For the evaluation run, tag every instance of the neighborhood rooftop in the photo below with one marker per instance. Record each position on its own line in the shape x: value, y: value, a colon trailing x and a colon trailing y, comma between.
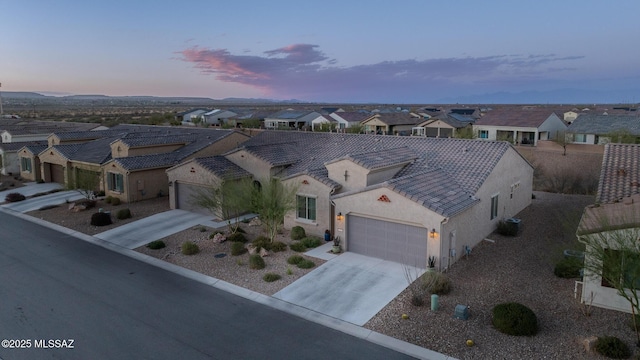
x: 620, y: 174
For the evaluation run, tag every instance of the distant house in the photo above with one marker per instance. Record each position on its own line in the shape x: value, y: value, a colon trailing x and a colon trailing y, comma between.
x: 292, y: 119
x: 392, y: 123
x: 614, y: 217
x: 23, y: 130
x: 217, y: 116
x: 188, y: 117
x: 598, y: 129
x: 443, y: 125
x: 29, y: 162
x: 520, y: 126
x: 324, y: 120
x: 347, y: 119
x: 9, y: 160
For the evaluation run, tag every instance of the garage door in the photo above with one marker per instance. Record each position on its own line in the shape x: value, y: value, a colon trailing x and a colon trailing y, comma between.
x: 185, y: 194
x: 388, y: 240
x: 57, y: 173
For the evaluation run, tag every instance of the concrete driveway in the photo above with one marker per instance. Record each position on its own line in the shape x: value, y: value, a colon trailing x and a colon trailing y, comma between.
x: 143, y: 231
x: 349, y: 287
x: 57, y: 198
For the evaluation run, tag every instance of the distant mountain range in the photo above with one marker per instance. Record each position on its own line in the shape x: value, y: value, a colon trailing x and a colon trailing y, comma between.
x: 38, y: 96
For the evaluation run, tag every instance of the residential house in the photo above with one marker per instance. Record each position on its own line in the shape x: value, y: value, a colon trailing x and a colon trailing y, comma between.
x: 347, y: 119
x: 188, y: 117
x: 598, y: 129
x: 29, y: 162
x: 613, y: 219
x: 196, y: 176
x: 324, y: 120
x: 525, y: 126
x: 443, y: 125
x: 392, y: 123
x: 9, y: 160
x: 292, y: 119
x: 403, y: 199
x: 23, y: 130
x: 218, y: 116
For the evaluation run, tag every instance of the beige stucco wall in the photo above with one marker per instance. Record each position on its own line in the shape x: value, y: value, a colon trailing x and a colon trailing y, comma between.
x: 258, y: 167
x: 35, y: 174
x: 52, y: 156
x: 189, y: 173
x: 321, y: 192
x: 356, y: 175
x: 146, y: 184
x: 399, y: 209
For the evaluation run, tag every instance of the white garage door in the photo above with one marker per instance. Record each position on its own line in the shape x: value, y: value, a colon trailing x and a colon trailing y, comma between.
x: 388, y: 240
x: 185, y: 194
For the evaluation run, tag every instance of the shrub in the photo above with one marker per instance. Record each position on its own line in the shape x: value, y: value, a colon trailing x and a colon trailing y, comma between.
x: 297, y: 233
x: 612, y: 347
x: 115, y: 201
x: 298, y: 247
x: 108, y: 199
x: 155, y: 245
x: 237, y: 249
x: 100, y: 193
x: 14, y: 197
x: 100, y: 219
x: 278, y: 246
x: 306, y: 264
x: 262, y: 242
x: 123, y: 214
x: 507, y: 229
x: 515, y: 319
x: 311, y: 242
x: 237, y: 237
x: 189, y: 248
x: 435, y: 283
x: 568, y: 268
x: 294, y: 259
x: 271, y: 277
x: 256, y: 262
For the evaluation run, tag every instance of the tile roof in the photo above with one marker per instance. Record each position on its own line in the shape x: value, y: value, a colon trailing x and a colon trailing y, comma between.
x: 290, y: 114
x: 465, y: 163
x: 222, y: 167
x: 15, y: 146
x: 620, y: 172
x: 515, y: 117
x: 397, y: 118
x: 353, y: 116
x: 612, y: 216
x: 36, y: 149
x: 604, y: 124
x: 383, y: 158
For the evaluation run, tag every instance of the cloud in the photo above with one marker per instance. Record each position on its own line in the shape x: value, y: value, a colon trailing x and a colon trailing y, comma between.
x: 302, y: 71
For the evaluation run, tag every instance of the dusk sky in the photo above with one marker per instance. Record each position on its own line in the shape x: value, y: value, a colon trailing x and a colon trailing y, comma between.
x: 327, y: 51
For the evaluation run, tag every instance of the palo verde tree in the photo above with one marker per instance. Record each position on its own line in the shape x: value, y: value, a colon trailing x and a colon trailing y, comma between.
x: 563, y: 139
x: 612, y: 253
x: 84, y: 181
x: 271, y: 201
x: 229, y: 200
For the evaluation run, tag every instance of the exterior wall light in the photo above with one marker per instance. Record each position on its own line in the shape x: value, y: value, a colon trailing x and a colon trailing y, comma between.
x: 340, y: 217
x: 433, y: 233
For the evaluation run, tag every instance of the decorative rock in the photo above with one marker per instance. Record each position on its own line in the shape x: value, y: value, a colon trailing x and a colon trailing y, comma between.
x: 264, y: 252
x: 252, y: 249
x: 255, y: 222
x: 219, y: 238
x: 589, y: 343
x: 72, y: 205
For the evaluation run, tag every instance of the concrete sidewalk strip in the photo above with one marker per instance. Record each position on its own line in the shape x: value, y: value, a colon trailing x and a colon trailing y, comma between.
x: 143, y: 231
x: 56, y: 198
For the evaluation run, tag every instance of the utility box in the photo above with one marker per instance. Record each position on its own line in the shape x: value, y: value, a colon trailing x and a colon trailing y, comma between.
x: 514, y: 225
x: 461, y: 312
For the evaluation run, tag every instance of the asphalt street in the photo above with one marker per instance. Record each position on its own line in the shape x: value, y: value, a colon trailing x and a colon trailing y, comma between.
x: 59, y: 288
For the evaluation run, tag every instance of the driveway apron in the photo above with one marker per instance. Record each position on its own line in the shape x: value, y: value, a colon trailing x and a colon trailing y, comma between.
x: 141, y: 232
x: 350, y: 287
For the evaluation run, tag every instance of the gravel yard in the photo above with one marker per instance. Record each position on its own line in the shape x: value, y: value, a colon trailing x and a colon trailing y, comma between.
x: 518, y: 269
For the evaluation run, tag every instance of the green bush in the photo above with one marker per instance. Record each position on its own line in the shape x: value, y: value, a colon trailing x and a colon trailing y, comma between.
x: 297, y: 233
x: 278, y: 246
x: 115, y: 201
x: 295, y: 259
x: 108, y: 199
x: 237, y: 237
x: 568, y: 268
x: 123, y: 214
x: 507, y: 229
x: 435, y: 283
x: 311, y: 242
x: 256, y: 262
x: 100, y: 219
x: 262, y: 242
x: 515, y: 319
x: 237, y: 249
x: 298, y: 246
x: 612, y: 347
x: 306, y: 264
x: 189, y: 248
x: 271, y: 277
x: 155, y: 245
x: 14, y: 197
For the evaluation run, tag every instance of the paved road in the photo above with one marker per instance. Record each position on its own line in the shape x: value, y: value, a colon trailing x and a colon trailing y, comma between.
x: 54, y: 286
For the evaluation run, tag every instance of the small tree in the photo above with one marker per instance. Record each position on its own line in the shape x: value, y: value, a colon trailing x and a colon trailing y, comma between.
x: 85, y: 182
x: 466, y: 132
x: 612, y: 255
x: 232, y: 199
x: 271, y: 201
x: 563, y: 139
x: 355, y: 129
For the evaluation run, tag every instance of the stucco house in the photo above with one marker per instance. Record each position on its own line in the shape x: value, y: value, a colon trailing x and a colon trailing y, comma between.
x: 597, y: 129
x: 188, y: 117
x: 24, y: 130
x: 9, y: 160
x: 217, y: 116
x: 347, y: 119
x: 394, y: 123
x: 403, y: 199
x: 292, y: 119
x: 523, y: 126
x: 613, y: 220
x: 29, y: 162
x: 442, y: 125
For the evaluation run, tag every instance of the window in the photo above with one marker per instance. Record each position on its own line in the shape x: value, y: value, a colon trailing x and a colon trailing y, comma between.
x: 115, y: 182
x: 306, y: 207
x: 483, y: 134
x: 623, y: 263
x: 494, y: 206
x: 580, y: 138
x: 25, y: 164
